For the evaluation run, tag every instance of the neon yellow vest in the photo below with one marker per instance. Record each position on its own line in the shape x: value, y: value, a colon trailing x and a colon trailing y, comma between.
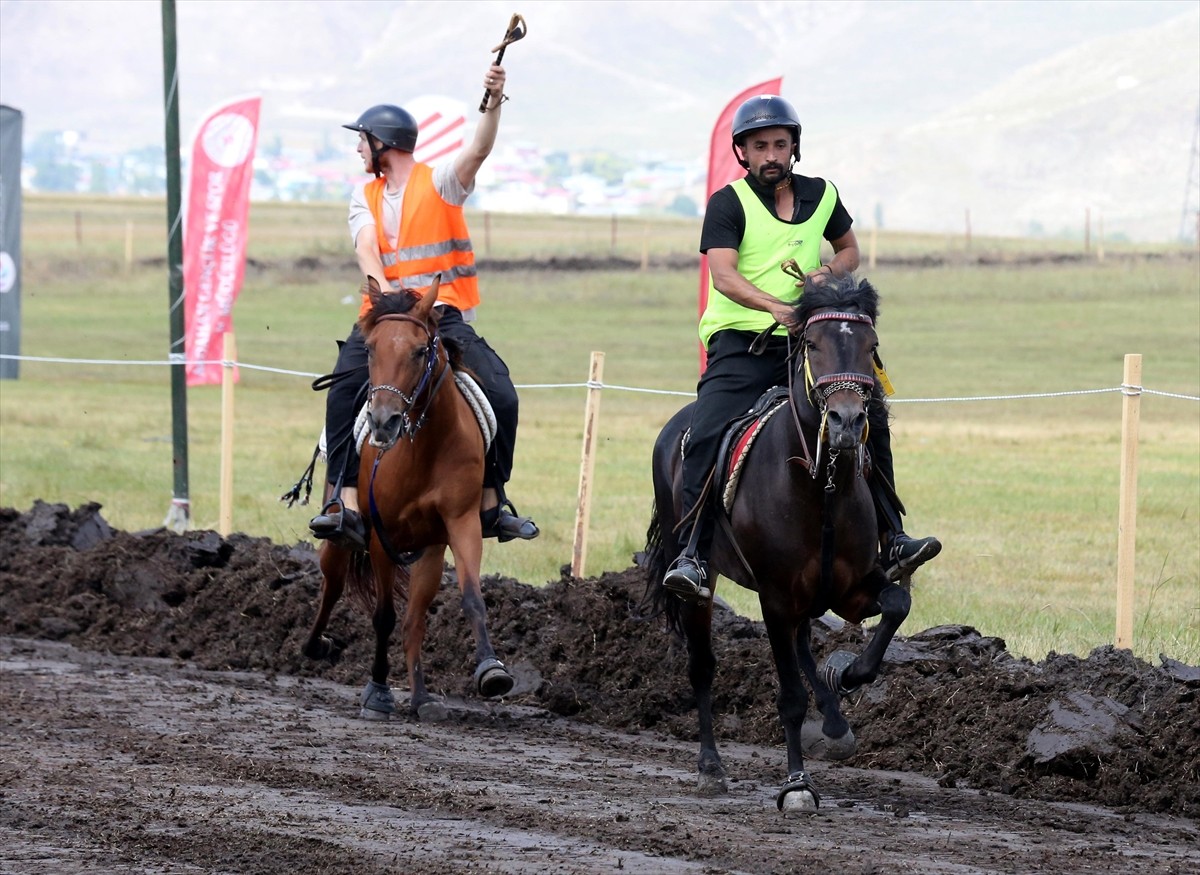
x: 766, y: 244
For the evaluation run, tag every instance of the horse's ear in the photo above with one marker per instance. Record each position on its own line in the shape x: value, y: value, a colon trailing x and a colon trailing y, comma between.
x: 371, y: 290
x: 425, y: 305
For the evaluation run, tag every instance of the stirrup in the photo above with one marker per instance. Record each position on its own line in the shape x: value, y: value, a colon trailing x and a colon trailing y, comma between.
x: 344, y: 527
x: 504, y: 524
x: 686, y: 579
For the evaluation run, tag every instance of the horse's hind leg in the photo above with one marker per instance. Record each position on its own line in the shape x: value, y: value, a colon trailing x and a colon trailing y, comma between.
x: 334, y: 563
x: 830, y: 738
x: 702, y: 664
x: 425, y: 580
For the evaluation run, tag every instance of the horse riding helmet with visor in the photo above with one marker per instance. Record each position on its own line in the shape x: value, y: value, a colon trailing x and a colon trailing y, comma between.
x: 765, y: 111
x: 392, y: 126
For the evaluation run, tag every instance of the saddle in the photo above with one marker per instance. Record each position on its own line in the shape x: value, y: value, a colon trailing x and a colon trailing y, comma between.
x: 737, y: 439
x: 736, y: 442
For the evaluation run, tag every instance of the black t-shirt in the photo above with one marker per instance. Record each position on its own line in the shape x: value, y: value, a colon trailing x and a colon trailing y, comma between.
x: 725, y: 220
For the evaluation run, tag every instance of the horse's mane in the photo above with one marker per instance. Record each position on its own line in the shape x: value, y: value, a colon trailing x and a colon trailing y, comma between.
x: 401, y: 301
x: 838, y: 293
x: 398, y: 301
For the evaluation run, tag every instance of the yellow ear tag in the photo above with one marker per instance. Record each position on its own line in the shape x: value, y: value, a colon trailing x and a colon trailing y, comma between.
x: 882, y: 375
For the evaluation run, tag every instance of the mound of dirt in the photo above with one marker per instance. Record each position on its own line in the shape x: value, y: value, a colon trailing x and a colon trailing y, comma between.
x: 950, y: 703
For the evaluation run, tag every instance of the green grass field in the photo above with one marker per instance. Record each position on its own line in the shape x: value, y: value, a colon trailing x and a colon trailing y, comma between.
x: 1023, y: 491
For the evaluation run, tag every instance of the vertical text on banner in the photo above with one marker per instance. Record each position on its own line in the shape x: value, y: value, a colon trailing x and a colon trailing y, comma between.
x: 214, y: 238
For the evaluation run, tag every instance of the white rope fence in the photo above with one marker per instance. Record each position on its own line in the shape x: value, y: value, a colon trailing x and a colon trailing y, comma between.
x: 589, y: 384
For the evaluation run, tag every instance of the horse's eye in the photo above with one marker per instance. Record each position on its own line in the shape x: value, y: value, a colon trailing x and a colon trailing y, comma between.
x: 419, y: 353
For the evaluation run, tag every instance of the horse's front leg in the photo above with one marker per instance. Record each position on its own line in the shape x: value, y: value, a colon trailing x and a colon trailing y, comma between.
x: 798, y: 792
x: 492, y: 678
x: 892, y: 606
x: 702, y: 665
x: 425, y: 580
x: 334, y: 564
x: 377, y: 700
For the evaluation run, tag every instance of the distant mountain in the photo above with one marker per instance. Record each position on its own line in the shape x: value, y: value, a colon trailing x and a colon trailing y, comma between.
x: 1108, y: 128
x: 1024, y: 113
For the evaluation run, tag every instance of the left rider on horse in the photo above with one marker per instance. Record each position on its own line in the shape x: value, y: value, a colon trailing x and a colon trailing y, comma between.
x: 408, y: 227
x: 751, y: 227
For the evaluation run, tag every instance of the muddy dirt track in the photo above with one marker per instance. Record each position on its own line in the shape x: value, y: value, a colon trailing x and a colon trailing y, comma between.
x: 157, y: 717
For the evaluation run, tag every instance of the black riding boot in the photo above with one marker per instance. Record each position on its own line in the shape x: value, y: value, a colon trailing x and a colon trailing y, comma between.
x: 900, y: 554
x: 687, y: 576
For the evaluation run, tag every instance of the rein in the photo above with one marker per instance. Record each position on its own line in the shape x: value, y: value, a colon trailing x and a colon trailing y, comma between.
x: 408, y: 428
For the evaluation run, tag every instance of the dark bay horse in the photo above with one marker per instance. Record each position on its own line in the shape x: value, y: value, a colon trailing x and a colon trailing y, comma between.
x: 420, y: 484
x: 801, y: 532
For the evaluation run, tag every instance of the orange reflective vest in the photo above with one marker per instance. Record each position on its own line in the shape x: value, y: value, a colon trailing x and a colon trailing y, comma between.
x: 433, y: 239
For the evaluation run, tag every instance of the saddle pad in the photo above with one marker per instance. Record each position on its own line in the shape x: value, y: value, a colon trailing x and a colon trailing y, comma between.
x: 484, y: 415
x: 739, y: 451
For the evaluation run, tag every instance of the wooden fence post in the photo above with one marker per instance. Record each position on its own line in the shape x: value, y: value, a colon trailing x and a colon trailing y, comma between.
x: 588, y: 464
x: 1131, y: 389
x: 128, y: 247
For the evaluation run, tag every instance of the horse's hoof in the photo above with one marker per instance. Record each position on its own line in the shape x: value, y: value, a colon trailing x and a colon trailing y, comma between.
x: 711, y: 785
x: 834, y: 668
x: 323, y: 647
x: 798, y: 795
x: 799, y: 802
x: 432, y: 711
x: 492, y: 679
x: 816, y: 744
x: 377, y: 701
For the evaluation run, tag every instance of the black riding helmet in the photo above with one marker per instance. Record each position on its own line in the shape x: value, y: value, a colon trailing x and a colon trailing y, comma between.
x: 765, y: 111
x: 390, y: 125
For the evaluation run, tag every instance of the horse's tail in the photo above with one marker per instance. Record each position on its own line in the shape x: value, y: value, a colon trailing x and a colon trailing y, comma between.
x: 656, y: 601
x: 360, y: 582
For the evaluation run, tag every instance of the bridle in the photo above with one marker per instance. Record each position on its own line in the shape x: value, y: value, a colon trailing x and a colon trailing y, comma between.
x: 818, y: 391
x: 425, y: 383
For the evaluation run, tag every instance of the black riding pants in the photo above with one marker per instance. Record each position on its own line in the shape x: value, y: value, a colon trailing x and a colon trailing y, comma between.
x: 347, y: 396
x: 729, y: 386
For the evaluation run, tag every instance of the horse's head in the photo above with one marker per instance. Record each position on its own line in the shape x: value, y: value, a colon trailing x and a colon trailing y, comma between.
x: 837, y: 348
x: 400, y: 331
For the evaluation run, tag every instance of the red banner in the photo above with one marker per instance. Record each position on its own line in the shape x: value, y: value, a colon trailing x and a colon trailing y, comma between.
x: 214, y: 238
x: 723, y: 168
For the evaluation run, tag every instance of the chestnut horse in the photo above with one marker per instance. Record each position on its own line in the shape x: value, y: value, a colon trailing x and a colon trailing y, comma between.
x: 801, y: 532
x: 420, y: 482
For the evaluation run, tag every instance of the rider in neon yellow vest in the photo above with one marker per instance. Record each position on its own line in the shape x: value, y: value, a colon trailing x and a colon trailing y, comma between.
x: 750, y: 228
